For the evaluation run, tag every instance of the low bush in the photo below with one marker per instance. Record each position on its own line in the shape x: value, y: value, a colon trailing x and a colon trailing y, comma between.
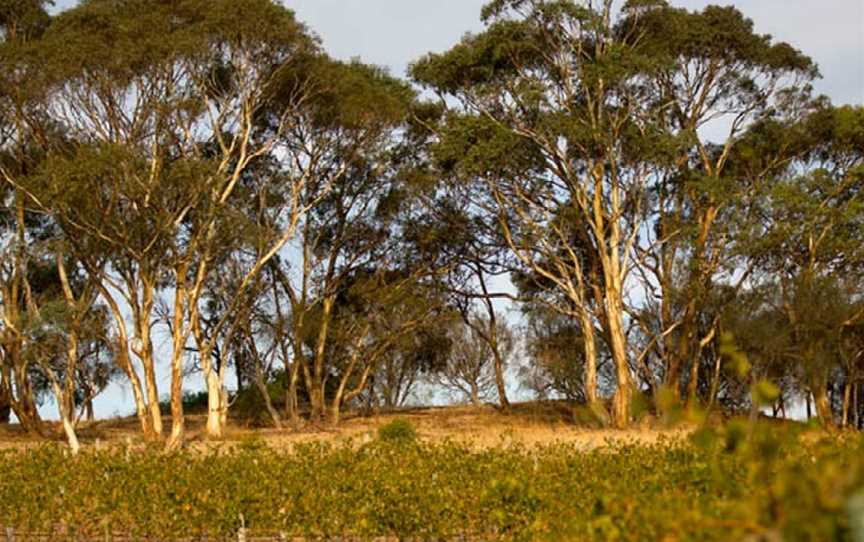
x: 194, y: 402
x: 719, y: 485
x: 399, y: 430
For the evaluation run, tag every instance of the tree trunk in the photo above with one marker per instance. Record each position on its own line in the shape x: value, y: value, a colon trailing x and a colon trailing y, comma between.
x: 178, y: 426
x: 66, y: 397
x: 144, y: 351
x: 614, y: 273
x: 144, y: 417
x: 500, y: 384
x: 153, y: 399
x: 475, y: 394
x: 693, y: 383
x: 5, y: 402
x: 342, y: 394
x: 178, y: 340
x: 24, y: 405
x: 681, y: 352
x: 590, y: 349
x: 698, y: 284
x: 71, y: 436
x: 679, y: 355
x: 215, y: 428
x: 316, y: 401
x: 715, y: 383
x: 223, y: 407
x: 822, y: 403
x: 239, y: 362
x: 336, y: 405
x: 292, y: 368
x: 623, y: 395
x: 335, y: 414
x: 66, y: 415
x: 316, y: 394
x: 28, y: 417
x: 123, y: 360
x: 265, y: 395
x: 291, y: 402
x: 847, y: 400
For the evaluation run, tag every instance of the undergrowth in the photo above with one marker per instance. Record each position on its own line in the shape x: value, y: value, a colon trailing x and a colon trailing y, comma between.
x: 733, y: 483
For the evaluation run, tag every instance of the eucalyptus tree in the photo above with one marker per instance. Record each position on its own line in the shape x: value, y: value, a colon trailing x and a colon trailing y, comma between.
x: 165, y: 104
x: 810, y: 244
x: 384, y: 316
x: 21, y: 20
x: 852, y: 358
x: 349, y: 145
x: 65, y: 336
x: 257, y: 76
x: 111, y: 91
x: 255, y: 344
x: 414, y: 358
x: 599, y: 119
x: 21, y: 149
x: 82, y: 190
x: 712, y: 78
x: 554, y: 117
x: 454, y: 233
x: 449, y: 231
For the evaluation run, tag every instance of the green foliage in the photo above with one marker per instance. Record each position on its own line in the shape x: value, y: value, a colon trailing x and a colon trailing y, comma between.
x: 399, y: 430
x: 21, y: 20
x: 480, y: 59
x: 723, y: 485
x: 764, y: 393
x: 249, y: 408
x: 194, y: 402
x: 736, y: 361
x: 123, y: 40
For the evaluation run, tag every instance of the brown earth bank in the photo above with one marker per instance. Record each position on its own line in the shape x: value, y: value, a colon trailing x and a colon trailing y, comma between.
x: 527, y: 424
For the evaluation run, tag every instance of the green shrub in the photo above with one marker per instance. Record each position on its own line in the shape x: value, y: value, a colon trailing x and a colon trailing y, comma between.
x: 399, y: 430
x: 249, y: 408
x: 194, y: 402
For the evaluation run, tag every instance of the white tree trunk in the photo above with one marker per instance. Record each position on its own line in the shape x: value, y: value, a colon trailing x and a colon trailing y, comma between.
x: 590, y: 349
x: 622, y: 399
x: 216, y: 411
x: 63, y: 403
x: 71, y: 436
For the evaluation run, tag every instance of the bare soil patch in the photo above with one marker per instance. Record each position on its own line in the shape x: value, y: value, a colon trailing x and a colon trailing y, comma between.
x: 526, y: 424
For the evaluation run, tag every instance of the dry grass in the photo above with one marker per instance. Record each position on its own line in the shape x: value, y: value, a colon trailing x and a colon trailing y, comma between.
x: 528, y: 424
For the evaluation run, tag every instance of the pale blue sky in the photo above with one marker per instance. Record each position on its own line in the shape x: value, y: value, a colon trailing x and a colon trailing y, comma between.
x: 393, y: 33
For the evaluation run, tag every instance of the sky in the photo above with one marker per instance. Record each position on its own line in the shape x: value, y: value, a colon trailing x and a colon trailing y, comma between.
x: 393, y: 33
